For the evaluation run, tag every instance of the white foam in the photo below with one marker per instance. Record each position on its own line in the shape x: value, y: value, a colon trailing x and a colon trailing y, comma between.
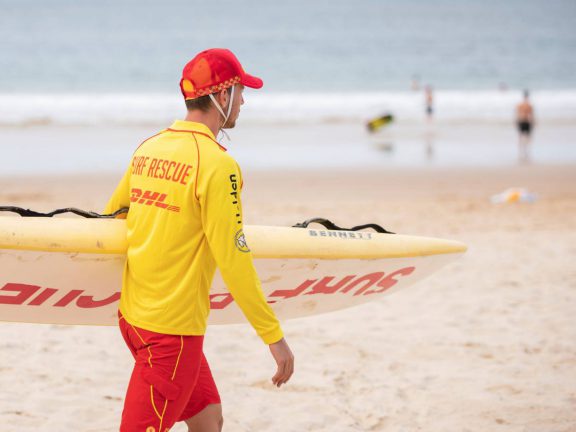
x: 159, y: 109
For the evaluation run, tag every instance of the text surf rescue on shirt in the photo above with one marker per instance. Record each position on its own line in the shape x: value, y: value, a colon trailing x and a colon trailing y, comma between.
x: 164, y: 169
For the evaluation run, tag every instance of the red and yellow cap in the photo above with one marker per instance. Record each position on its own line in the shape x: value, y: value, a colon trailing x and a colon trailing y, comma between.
x: 212, y: 71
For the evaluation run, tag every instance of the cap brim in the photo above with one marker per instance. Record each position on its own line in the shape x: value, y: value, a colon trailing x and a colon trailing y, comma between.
x: 252, y: 81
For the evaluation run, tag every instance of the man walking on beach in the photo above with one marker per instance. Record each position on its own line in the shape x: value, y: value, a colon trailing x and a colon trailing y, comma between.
x: 185, y: 218
x: 525, y: 123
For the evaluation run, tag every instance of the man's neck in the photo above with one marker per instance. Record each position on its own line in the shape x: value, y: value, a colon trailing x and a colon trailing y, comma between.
x: 211, y: 119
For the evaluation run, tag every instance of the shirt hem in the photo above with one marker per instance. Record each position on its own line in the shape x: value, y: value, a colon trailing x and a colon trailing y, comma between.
x: 164, y: 330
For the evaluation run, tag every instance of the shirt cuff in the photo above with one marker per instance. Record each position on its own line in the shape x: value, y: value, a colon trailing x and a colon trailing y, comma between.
x: 272, y: 336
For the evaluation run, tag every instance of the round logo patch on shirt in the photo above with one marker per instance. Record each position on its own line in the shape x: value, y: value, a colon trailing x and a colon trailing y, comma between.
x: 240, y: 241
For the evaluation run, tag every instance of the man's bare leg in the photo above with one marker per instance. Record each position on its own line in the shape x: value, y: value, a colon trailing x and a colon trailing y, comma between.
x: 208, y: 420
x: 524, y: 143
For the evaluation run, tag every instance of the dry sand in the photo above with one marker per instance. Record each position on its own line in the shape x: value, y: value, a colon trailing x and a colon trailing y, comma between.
x: 486, y: 344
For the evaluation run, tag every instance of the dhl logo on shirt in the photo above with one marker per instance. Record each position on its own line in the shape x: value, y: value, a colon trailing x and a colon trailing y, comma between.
x: 151, y: 198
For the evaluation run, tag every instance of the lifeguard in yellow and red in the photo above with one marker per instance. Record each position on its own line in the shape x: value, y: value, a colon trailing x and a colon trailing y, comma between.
x: 185, y: 219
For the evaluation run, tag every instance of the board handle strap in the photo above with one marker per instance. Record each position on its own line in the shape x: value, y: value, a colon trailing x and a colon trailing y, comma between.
x: 84, y: 213
x: 93, y: 215
x: 332, y: 226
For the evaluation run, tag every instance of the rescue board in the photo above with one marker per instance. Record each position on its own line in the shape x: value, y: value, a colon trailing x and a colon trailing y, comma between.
x: 69, y: 270
x: 378, y: 123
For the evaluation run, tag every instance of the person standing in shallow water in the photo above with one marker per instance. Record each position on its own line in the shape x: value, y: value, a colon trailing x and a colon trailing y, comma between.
x: 429, y: 102
x: 428, y: 132
x: 525, y: 124
x: 183, y: 189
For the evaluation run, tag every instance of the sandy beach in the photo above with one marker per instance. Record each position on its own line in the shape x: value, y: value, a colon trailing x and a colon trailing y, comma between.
x: 486, y: 344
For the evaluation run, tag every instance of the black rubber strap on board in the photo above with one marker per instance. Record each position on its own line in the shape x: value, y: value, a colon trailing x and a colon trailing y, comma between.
x: 84, y: 213
x: 332, y: 226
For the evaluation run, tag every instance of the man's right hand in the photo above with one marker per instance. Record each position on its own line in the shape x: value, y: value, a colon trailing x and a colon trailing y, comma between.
x: 285, y: 361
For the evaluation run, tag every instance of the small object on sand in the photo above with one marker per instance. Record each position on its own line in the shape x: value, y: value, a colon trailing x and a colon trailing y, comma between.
x: 379, y: 122
x: 514, y: 195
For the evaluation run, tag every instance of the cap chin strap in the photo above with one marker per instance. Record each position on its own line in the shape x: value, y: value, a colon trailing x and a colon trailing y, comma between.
x: 219, y: 108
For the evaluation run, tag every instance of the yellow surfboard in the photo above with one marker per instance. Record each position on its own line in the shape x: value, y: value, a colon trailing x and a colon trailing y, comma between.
x: 69, y: 270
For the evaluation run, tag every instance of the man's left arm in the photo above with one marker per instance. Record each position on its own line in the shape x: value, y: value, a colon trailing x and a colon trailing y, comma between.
x: 221, y: 209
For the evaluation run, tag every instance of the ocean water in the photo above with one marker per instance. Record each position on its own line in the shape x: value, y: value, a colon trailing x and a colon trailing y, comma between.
x: 81, y: 61
x: 75, y: 63
x: 299, y: 45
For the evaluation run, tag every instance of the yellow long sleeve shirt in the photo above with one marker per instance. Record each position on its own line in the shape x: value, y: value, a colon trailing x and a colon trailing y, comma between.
x: 185, y: 218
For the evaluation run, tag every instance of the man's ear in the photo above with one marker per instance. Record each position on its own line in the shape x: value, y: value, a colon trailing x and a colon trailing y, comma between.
x: 223, y: 97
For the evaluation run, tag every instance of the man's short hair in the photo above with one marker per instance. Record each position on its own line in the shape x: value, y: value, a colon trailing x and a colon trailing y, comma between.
x: 202, y: 103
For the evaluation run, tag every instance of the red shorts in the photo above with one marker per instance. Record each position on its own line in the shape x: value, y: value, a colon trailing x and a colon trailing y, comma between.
x: 171, y: 380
